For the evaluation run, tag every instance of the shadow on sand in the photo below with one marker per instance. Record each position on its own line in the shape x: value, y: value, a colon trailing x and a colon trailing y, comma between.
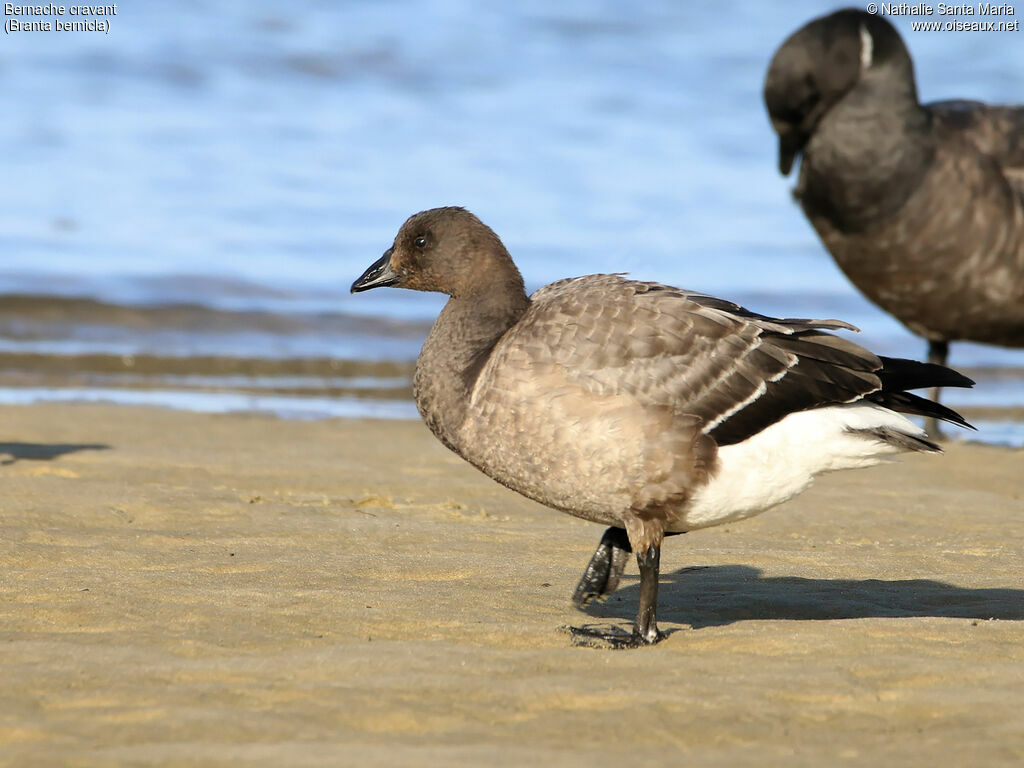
x: 719, y: 595
x: 12, y: 452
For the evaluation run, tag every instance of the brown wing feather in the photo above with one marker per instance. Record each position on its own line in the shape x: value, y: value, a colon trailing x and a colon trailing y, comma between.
x: 736, y: 370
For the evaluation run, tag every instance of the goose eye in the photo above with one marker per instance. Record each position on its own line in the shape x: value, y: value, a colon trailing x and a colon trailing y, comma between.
x: 420, y: 242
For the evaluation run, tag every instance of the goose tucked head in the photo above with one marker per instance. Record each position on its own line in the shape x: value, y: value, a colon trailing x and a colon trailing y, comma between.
x: 447, y: 250
x: 821, y: 63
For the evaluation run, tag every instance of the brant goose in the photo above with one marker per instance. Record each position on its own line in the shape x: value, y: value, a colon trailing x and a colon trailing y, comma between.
x: 641, y: 406
x: 922, y: 207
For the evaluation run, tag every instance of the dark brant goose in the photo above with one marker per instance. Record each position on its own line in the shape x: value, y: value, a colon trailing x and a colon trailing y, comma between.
x: 921, y: 206
x: 641, y: 406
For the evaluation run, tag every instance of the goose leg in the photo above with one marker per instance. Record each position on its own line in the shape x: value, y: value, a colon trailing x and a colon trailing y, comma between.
x: 603, y: 573
x: 645, y: 630
x: 938, y: 353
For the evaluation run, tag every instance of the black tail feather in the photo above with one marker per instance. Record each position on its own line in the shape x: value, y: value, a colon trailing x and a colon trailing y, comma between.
x: 898, y: 374
x: 906, y: 402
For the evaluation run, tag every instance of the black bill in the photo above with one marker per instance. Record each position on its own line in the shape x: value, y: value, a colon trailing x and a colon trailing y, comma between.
x: 378, y: 274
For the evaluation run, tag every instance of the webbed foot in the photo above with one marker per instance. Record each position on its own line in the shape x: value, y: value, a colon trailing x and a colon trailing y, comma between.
x: 605, y: 568
x: 613, y: 639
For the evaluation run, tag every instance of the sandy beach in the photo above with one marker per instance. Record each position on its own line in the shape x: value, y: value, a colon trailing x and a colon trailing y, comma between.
x: 213, y: 590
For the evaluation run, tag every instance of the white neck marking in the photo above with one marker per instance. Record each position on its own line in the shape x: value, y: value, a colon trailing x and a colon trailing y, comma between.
x: 867, y: 45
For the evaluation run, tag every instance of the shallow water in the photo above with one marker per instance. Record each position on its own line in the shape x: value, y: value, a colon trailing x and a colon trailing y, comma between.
x: 214, y: 176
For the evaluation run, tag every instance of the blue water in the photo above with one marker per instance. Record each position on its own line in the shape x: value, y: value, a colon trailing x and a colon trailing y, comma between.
x: 258, y: 156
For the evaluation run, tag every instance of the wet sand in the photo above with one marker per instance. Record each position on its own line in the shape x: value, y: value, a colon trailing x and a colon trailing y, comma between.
x: 186, y: 589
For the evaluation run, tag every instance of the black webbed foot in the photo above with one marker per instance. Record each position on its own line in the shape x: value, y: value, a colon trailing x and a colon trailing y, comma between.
x: 605, y: 568
x: 612, y: 639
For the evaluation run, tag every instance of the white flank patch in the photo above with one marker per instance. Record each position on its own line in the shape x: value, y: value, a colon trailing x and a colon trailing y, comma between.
x: 780, y: 461
x: 867, y: 47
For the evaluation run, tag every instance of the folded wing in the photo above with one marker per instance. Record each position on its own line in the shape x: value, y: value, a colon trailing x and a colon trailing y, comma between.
x: 735, y: 370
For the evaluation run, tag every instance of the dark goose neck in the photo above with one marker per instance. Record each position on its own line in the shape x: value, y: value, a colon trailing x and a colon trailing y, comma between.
x: 458, y: 347
x: 869, y: 153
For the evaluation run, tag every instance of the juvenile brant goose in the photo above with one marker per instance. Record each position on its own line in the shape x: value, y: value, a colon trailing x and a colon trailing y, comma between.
x: 638, y: 405
x: 922, y: 207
